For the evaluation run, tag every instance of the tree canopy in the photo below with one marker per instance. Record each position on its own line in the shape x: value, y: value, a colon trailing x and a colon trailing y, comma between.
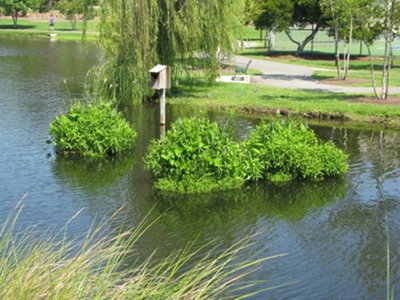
x: 273, y: 14
x: 16, y: 7
x: 281, y: 15
x: 136, y: 35
x: 70, y: 8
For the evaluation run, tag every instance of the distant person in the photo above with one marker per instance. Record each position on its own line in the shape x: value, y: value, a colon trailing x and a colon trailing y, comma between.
x: 51, y: 22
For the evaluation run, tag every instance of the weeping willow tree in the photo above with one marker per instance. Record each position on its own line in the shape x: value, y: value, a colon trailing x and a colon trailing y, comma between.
x: 135, y: 35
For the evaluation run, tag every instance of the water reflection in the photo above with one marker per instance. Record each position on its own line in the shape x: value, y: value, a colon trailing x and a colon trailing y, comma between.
x: 93, y: 173
x: 333, y: 230
x: 290, y: 201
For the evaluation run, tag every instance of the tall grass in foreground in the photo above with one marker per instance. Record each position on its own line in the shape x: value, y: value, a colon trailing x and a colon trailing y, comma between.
x: 98, y: 268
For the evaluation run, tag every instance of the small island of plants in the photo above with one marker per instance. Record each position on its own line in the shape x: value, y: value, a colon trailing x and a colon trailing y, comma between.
x: 197, y: 156
x: 96, y: 129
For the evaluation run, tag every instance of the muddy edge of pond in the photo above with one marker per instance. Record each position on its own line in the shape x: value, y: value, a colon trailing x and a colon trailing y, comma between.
x: 346, y: 120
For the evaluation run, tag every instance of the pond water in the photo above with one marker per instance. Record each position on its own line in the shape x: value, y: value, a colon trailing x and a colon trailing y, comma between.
x: 332, y: 231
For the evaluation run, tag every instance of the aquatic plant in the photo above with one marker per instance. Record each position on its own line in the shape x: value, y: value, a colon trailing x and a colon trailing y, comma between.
x: 291, y: 150
x: 94, y: 129
x: 103, y: 265
x: 197, y: 155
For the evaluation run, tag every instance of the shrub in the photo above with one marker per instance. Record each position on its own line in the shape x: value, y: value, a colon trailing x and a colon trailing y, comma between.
x: 291, y: 150
x: 197, y: 155
x: 96, y: 129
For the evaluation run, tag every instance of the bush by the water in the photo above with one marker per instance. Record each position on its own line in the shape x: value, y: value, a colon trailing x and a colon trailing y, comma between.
x: 196, y: 156
x: 95, y: 129
x: 291, y: 150
x: 199, y: 156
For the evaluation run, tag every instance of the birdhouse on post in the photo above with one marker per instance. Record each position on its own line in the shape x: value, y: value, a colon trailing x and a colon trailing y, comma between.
x: 161, y: 80
x: 160, y: 77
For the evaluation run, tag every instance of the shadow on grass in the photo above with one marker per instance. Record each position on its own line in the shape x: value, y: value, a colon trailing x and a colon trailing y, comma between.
x: 19, y: 27
x: 320, y: 96
x: 323, y: 77
x: 190, y: 88
x: 361, y: 60
x: 68, y: 29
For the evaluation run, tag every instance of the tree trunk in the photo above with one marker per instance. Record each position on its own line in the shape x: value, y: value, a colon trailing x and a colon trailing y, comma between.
x: 347, y: 60
x: 302, y: 45
x: 389, y: 69
x: 388, y: 57
x: 371, y: 67
x: 14, y: 16
x: 73, y: 22
x: 265, y: 39
x: 336, y: 31
x: 261, y: 34
x: 337, y: 52
x: 384, y: 73
x: 269, y: 41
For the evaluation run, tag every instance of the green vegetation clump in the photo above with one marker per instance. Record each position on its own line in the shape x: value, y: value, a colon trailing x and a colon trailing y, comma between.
x: 96, y: 129
x: 196, y: 156
x: 290, y: 150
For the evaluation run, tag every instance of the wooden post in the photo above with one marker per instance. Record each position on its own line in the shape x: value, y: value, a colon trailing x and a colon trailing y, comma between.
x: 162, y: 130
x: 161, y: 80
x: 162, y: 107
x: 162, y: 113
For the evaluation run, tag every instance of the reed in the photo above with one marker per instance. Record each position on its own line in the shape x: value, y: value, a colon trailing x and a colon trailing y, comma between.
x: 104, y: 266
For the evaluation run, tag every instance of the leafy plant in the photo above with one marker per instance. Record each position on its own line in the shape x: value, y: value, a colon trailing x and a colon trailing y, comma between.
x: 95, y: 129
x: 197, y: 155
x: 291, y: 150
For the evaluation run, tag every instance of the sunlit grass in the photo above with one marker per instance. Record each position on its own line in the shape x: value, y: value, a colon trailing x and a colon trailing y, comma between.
x: 63, y: 29
x: 361, y: 70
x: 322, y: 42
x: 103, y: 265
x: 260, y: 99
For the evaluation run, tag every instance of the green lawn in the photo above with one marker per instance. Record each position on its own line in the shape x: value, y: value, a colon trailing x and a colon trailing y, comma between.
x: 361, y: 70
x: 322, y: 42
x: 41, y: 28
x: 324, y: 58
x: 255, y: 99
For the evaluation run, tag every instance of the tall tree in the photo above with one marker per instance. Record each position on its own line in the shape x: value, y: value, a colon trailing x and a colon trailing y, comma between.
x: 273, y: 15
x: 381, y: 17
x: 282, y: 15
x: 137, y: 34
x: 391, y: 23
x: 306, y: 13
x: 344, y: 27
x: 16, y: 7
x: 70, y: 9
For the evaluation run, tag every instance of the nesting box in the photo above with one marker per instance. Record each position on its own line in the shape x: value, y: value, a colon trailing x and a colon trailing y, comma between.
x: 160, y: 77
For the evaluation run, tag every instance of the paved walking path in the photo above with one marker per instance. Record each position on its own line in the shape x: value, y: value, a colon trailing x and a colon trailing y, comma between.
x: 298, y: 77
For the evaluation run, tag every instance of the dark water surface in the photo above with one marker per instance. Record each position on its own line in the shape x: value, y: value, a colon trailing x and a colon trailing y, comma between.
x: 332, y: 231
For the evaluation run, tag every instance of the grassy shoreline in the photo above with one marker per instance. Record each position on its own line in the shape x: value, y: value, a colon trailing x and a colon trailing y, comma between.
x: 260, y: 100
x: 39, y: 28
x: 250, y: 99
